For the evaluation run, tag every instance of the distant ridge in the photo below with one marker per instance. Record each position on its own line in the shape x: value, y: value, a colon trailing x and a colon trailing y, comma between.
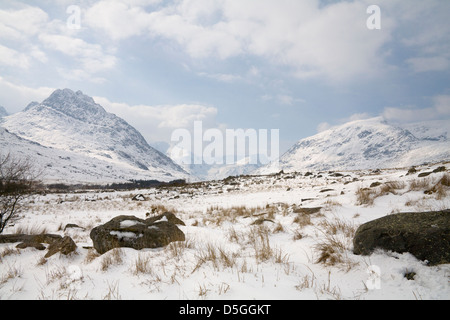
x: 368, y: 144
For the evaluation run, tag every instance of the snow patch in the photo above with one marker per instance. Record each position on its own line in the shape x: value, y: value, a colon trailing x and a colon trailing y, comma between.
x: 163, y: 219
x: 128, y: 235
x: 129, y: 223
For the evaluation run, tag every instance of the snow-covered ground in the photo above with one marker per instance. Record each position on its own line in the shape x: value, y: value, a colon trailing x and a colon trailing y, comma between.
x: 246, y: 238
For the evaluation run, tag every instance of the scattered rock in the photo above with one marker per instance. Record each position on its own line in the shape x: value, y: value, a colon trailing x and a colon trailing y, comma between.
x: 132, y: 232
x: 64, y: 245
x: 439, y: 169
x: 26, y: 238
x: 138, y: 197
x: 410, y: 275
x: 424, y: 174
x: 307, y: 211
x: 336, y: 174
x: 36, y: 245
x: 260, y: 221
x: 375, y: 184
x: 56, y: 243
x: 411, y: 170
x: 72, y: 225
x: 426, y: 235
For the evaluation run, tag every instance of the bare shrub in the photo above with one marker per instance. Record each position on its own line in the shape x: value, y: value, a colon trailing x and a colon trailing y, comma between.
x: 17, y: 180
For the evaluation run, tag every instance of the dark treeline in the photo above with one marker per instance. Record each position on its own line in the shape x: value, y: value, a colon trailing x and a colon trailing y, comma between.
x: 130, y: 185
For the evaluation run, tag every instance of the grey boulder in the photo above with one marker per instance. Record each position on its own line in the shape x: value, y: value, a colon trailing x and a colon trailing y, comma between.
x: 426, y: 235
x: 132, y: 232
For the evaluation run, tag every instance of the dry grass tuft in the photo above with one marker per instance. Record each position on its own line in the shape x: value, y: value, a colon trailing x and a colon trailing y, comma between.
x: 336, y: 241
x: 259, y: 239
x: 215, y: 255
x: 112, y: 257
x: 141, y: 265
x: 365, y: 196
x: 302, y: 220
x: 91, y: 255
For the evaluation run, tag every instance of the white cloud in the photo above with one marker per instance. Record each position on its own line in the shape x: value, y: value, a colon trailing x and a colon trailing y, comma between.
x: 119, y: 19
x: 32, y: 38
x: 426, y: 35
x: 16, y: 97
x: 439, y: 110
x: 19, y: 24
x: 12, y: 58
x: 91, y: 56
x: 156, y: 123
x: 332, y: 41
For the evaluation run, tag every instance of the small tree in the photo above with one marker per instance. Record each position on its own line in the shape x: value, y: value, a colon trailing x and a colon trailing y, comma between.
x: 17, y: 179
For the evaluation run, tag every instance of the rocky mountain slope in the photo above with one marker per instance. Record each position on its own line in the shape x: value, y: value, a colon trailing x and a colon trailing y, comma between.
x: 71, y: 125
x: 368, y: 144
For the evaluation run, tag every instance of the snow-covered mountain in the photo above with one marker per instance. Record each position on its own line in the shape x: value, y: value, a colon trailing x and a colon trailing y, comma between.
x: 73, y: 126
x: 204, y: 171
x: 368, y: 144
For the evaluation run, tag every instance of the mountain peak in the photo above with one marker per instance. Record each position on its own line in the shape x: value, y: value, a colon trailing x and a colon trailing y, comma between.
x: 61, y: 95
x: 72, y: 122
x: 74, y: 104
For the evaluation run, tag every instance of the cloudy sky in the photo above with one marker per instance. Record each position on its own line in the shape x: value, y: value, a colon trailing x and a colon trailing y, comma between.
x: 299, y: 66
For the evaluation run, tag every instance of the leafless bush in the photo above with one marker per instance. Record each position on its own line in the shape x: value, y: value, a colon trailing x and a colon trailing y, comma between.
x: 17, y: 180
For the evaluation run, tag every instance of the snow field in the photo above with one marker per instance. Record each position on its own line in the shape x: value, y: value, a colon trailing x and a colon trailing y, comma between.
x: 245, y: 239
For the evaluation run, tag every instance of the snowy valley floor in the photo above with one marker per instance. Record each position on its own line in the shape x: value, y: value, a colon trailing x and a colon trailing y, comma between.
x: 246, y: 238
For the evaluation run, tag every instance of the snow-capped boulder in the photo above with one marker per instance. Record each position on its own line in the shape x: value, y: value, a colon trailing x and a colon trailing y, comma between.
x: 132, y: 232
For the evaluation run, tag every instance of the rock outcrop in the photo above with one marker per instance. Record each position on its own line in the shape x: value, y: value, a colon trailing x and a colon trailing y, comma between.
x: 64, y: 245
x: 426, y: 235
x: 132, y: 232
